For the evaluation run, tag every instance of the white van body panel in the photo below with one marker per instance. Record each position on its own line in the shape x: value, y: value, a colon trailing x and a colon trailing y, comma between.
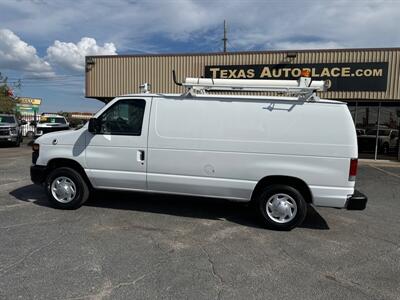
x: 112, y: 160
x: 223, y: 148
x: 219, y: 146
x: 70, y: 144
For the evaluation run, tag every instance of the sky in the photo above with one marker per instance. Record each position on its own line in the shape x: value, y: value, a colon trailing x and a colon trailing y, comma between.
x: 43, y: 43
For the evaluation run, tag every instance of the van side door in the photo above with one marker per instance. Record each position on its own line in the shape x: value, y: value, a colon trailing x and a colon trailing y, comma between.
x: 116, y: 156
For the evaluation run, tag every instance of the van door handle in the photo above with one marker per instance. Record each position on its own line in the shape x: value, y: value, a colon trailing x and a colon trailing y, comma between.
x: 140, y: 156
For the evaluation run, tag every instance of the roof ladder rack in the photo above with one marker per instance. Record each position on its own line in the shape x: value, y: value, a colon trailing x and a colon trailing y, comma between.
x: 304, y: 88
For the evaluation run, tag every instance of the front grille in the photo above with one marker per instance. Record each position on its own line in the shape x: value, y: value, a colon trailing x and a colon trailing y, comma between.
x: 4, y: 132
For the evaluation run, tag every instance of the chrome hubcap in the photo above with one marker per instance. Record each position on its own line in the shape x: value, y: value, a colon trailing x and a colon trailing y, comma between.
x: 63, y: 189
x: 281, y: 208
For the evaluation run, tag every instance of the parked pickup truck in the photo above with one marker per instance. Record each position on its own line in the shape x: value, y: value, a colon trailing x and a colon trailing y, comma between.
x: 50, y: 123
x: 10, y: 129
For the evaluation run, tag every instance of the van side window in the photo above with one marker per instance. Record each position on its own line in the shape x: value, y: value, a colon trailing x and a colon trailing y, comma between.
x: 125, y: 117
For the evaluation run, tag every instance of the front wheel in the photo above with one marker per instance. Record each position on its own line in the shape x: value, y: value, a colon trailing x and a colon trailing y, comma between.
x: 66, y: 188
x: 282, y: 207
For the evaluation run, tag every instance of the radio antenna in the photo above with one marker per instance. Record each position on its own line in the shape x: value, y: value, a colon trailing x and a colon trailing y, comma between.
x: 225, y: 39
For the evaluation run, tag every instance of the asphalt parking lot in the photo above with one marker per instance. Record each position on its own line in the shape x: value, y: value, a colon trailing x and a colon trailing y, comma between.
x: 138, y: 246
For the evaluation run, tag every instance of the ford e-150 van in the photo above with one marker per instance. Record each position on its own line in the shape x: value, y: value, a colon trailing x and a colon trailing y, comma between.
x: 280, y: 153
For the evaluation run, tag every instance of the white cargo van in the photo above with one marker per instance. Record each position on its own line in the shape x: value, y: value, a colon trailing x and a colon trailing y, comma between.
x: 280, y: 153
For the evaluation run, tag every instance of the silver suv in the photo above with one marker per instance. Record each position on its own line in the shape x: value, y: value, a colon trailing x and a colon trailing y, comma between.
x: 10, y: 129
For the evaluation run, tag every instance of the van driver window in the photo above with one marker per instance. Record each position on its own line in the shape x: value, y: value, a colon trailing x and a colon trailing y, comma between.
x: 123, y: 118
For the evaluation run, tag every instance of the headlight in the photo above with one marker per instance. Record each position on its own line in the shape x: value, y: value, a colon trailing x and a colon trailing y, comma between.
x: 13, y: 131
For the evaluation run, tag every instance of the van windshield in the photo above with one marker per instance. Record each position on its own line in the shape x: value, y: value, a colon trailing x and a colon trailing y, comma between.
x: 7, y: 119
x: 58, y: 120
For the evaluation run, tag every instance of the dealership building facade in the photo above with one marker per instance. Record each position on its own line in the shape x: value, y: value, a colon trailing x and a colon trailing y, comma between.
x: 367, y: 79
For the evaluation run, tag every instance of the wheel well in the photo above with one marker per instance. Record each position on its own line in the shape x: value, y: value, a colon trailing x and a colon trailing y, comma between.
x: 297, y: 183
x: 65, y: 162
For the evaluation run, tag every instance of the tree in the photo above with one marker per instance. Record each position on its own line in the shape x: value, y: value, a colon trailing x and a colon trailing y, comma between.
x: 7, y: 102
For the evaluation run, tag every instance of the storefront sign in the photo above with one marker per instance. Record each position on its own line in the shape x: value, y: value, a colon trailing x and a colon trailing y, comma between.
x: 27, y: 108
x: 340, y: 76
x: 28, y: 100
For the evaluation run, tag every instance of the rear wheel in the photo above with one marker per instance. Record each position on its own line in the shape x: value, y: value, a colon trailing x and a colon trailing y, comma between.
x: 66, y: 188
x: 282, y: 207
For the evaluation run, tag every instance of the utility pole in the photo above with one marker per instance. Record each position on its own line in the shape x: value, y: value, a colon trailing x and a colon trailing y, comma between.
x: 225, y: 39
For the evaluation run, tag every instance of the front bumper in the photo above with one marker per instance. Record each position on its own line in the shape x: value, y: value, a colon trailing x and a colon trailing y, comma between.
x: 8, y: 138
x: 38, y: 174
x: 357, y: 201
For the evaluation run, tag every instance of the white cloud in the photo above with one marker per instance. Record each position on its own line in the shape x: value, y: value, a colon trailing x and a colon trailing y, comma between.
x: 160, y: 25
x: 16, y: 54
x: 193, y: 25
x: 287, y: 45
x: 72, y: 56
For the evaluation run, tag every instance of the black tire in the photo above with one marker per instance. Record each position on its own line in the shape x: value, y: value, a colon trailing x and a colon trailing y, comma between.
x: 30, y: 135
x: 300, y: 207
x: 81, y: 193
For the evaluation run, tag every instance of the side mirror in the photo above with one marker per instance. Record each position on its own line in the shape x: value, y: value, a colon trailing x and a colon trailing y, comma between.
x: 94, y: 126
x: 23, y: 122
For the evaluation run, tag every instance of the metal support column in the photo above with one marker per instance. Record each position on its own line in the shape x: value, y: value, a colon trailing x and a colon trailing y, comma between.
x: 377, y: 131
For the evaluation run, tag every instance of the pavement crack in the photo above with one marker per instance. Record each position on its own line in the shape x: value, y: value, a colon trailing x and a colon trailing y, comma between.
x: 121, y: 284
x: 347, y: 283
x: 28, y: 223
x: 108, y: 288
x: 295, y: 259
x: 215, y: 274
x: 5, y: 269
x: 335, y: 277
x: 381, y: 239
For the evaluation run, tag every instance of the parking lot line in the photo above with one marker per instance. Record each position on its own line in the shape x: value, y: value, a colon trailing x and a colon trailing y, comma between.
x: 384, y: 171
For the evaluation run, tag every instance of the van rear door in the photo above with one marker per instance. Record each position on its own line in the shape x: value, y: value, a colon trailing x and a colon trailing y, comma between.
x: 116, y: 156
